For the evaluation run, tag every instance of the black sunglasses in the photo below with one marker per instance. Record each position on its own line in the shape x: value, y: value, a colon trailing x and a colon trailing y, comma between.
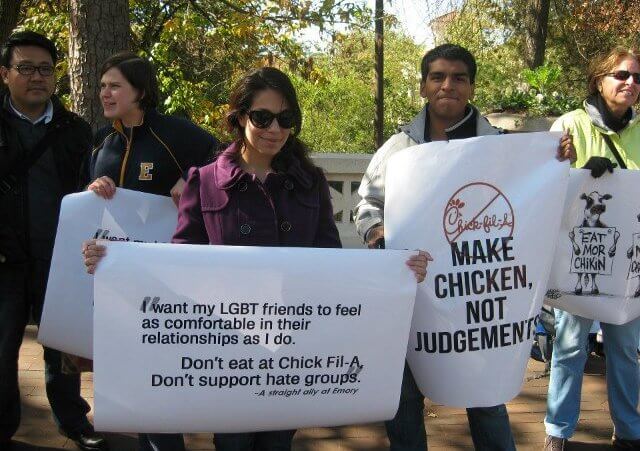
x: 623, y: 75
x: 264, y: 118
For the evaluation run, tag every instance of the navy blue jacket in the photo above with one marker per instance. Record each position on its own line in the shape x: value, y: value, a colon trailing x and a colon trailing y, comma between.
x: 152, y: 156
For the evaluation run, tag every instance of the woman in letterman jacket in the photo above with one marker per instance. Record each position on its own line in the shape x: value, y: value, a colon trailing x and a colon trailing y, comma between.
x: 142, y: 150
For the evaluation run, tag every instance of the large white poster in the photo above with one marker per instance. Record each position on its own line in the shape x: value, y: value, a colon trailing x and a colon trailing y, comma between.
x: 596, y: 268
x: 67, y: 318
x: 488, y: 211
x: 195, y: 338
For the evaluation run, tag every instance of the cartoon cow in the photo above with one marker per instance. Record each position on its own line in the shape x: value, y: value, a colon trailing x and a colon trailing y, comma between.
x: 630, y: 256
x: 594, y: 208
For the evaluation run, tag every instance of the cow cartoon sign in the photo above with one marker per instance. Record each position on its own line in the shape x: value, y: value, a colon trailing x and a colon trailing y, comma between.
x: 589, y: 276
x: 594, y: 244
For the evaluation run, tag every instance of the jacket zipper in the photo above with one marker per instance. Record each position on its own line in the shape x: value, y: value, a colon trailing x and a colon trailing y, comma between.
x: 123, y: 168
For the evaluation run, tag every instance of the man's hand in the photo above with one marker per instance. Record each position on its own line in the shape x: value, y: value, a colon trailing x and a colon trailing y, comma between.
x: 566, y: 151
x: 375, y: 233
x: 176, y: 191
x: 103, y: 187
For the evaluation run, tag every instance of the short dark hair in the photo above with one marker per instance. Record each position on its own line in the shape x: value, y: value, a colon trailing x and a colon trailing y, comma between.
x: 449, y: 52
x: 139, y: 72
x: 23, y: 39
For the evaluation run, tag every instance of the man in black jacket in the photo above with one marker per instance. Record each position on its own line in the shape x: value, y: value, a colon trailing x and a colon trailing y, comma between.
x: 42, y: 148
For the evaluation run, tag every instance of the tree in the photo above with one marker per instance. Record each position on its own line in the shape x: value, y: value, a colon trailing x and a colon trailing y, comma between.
x: 586, y: 28
x: 338, y: 99
x: 97, y: 29
x: 535, y: 22
x: 9, y: 13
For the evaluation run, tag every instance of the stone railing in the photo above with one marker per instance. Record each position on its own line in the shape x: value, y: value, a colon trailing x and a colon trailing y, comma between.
x: 344, y: 173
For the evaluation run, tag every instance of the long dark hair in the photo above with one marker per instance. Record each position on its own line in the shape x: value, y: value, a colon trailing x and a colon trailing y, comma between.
x: 240, y: 103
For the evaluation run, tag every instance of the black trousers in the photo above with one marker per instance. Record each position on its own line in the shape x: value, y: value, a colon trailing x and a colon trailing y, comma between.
x: 22, y: 289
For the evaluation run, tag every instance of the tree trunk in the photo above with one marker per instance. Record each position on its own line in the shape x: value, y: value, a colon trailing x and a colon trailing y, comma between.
x: 536, y: 24
x: 9, y: 13
x: 97, y: 30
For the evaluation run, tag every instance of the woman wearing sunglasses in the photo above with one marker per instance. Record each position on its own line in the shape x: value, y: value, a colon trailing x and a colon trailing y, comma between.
x: 606, y: 133
x: 263, y: 190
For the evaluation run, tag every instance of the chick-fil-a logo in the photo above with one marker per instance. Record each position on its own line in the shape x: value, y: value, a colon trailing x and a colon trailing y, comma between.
x: 477, y: 207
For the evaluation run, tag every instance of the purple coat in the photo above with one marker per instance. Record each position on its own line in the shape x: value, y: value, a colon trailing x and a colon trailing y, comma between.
x: 222, y: 204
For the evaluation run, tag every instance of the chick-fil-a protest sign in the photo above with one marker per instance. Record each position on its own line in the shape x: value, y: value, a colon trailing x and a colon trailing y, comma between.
x: 488, y: 210
x: 596, y: 269
x: 238, y: 339
x: 67, y: 318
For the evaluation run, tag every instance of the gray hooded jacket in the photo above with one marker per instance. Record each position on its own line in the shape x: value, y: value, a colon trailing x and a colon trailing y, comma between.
x: 370, y: 210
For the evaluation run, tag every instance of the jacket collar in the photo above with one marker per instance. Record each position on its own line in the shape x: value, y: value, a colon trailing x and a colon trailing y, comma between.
x: 228, y: 171
x: 594, y: 107
x: 54, y: 108
x: 45, y: 117
x: 472, y: 124
x: 147, y: 117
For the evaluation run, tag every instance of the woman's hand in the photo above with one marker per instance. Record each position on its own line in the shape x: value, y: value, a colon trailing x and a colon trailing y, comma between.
x: 599, y: 165
x: 93, y: 253
x: 566, y: 151
x: 176, y: 191
x: 418, y: 264
x: 103, y: 187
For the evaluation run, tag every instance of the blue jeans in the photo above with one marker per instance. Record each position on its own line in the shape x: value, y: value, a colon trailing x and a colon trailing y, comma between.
x: 490, y: 429
x: 255, y: 441
x: 21, y: 291
x: 567, y: 367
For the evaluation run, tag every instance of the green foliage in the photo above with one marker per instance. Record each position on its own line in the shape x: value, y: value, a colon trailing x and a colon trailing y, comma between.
x: 51, y: 19
x: 490, y: 29
x: 540, y: 94
x: 338, y: 101
x: 200, y: 47
x: 543, y: 78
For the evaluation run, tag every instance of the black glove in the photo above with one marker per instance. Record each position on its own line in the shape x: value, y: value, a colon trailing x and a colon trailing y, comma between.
x: 598, y: 166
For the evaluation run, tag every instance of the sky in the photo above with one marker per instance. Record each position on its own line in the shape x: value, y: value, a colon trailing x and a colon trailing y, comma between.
x: 415, y: 15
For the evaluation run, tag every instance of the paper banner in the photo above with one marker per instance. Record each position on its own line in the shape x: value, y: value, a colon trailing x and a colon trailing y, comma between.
x: 67, y: 317
x: 487, y: 209
x: 195, y: 338
x: 597, y: 259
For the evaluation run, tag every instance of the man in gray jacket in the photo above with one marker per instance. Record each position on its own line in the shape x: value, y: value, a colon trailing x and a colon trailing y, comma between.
x: 448, y: 76
x: 448, y: 82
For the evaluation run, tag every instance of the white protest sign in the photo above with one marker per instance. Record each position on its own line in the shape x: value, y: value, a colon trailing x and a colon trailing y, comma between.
x: 487, y: 209
x: 67, y: 317
x: 195, y: 338
x: 597, y: 259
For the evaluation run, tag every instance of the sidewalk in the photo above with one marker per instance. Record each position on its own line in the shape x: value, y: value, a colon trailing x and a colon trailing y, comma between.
x: 447, y: 427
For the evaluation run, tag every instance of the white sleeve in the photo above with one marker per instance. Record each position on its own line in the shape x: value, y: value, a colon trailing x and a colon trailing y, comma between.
x: 370, y: 210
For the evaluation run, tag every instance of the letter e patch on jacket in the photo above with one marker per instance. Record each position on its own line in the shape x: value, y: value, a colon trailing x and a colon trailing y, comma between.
x: 145, y: 171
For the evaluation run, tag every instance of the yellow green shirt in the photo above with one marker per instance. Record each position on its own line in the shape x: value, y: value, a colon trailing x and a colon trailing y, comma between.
x: 588, y: 140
